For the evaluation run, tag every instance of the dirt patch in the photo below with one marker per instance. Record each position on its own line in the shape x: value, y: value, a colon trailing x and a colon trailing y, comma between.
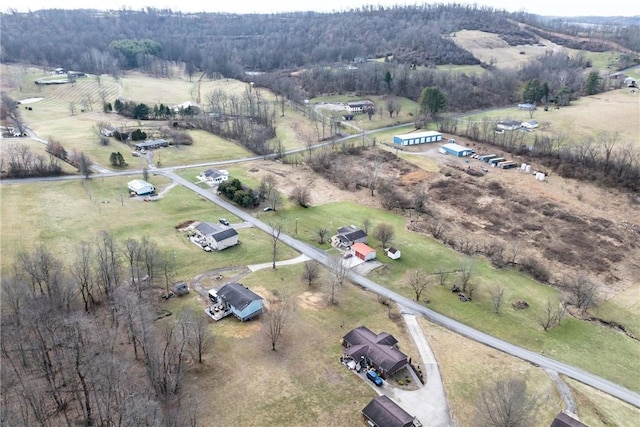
x: 312, y: 301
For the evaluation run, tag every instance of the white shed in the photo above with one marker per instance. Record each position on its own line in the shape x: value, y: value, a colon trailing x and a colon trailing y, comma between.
x: 393, y: 253
x: 141, y: 187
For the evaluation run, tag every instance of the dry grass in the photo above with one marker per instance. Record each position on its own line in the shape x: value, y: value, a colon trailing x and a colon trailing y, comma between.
x: 597, y: 409
x: 467, y: 368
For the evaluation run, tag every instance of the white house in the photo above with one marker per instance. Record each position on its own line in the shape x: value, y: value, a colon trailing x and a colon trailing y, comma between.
x: 509, y: 125
x: 527, y: 106
x: 215, y: 236
x: 531, y: 124
x: 140, y: 187
x: 361, y: 106
x: 214, y: 176
x: 393, y: 253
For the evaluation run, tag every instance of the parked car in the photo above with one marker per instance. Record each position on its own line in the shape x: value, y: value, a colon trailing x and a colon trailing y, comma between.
x: 223, y: 221
x: 267, y: 209
x: 347, y: 255
x: 374, y: 377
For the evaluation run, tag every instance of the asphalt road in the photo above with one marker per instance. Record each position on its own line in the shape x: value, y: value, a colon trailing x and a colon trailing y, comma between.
x: 587, y: 378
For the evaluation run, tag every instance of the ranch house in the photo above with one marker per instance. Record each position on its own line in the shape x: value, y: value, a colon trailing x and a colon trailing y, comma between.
x: 347, y: 236
x: 417, y: 138
x: 234, y: 298
x: 214, y: 176
x: 151, y: 144
x: 509, y: 125
x: 216, y: 236
x: 361, y: 106
x: 377, y: 350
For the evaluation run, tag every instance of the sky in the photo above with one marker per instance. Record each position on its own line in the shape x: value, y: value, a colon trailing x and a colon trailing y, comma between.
x: 538, y: 7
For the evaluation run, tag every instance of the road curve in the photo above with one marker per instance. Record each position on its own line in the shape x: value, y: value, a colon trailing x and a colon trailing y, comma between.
x: 584, y: 377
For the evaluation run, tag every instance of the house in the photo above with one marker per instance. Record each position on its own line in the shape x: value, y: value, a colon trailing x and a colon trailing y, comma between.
x: 348, y: 117
x: 509, y: 125
x: 186, y: 106
x: 384, y: 412
x: 361, y: 106
x: 456, y: 150
x: 526, y: 106
x: 234, y: 298
x: 379, y: 351
x: 141, y: 187
x: 417, y: 138
x: 347, y: 236
x: 363, y: 251
x: 215, y: 236
x: 565, y: 419
x: 531, y: 124
x: 214, y: 176
x: 630, y: 82
x: 151, y: 144
x: 393, y: 253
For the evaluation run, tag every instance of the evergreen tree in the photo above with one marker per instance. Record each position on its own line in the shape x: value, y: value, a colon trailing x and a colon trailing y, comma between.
x: 592, y: 84
x: 432, y: 101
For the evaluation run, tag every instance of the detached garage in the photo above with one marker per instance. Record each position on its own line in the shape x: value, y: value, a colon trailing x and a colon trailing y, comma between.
x: 363, y: 251
x: 417, y: 138
x: 456, y: 150
x: 140, y: 187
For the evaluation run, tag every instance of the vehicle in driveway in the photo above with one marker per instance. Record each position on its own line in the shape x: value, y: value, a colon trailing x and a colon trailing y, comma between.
x: 267, y: 209
x: 223, y: 221
x: 374, y: 377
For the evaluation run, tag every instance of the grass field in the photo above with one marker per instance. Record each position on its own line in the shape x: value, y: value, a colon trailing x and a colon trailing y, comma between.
x: 597, y: 409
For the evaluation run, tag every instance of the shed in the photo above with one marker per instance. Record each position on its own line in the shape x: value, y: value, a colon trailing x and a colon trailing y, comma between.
x: 456, y: 150
x: 417, y: 138
x: 531, y: 124
x: 363, y: 251
x: 235, y: 298
x: 565, y: 419
x: 377, y: 350
x: 526, y: 106
x: 141, y: 187
x: 393, y: 253
x: 216, y: 236
x: 384, y: 412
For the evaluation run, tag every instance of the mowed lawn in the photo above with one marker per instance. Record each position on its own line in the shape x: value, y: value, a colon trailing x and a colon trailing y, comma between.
x: 59, y: 215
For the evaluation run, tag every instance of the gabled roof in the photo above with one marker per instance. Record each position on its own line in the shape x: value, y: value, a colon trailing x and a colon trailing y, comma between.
x: 392, y: 250
x: 362, y: 248
x: 384, y: 412
x: 224, y: 234
x: 207, y: 228
x: 379, y: 348
x: 347, y: 229
x: 212, y: 173
x: 216, y: 232
x: 355, y: 235
x: 238, y: 295
x: 565, y: 420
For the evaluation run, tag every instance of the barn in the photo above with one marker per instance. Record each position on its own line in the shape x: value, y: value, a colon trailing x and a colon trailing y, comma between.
x: 141, y: 187
x: 417, y: 138
x: 456, y: 150
x: 363, y: 251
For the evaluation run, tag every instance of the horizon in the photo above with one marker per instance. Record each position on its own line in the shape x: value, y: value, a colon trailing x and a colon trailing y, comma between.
x: 541, y: 7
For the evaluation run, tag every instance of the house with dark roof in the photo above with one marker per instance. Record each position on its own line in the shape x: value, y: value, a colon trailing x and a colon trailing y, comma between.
x: 384, y: 412
x: 151, y: 144
x: 377, y: 350
x: 347, y: 236
x: 361, y: 106
x: 214, y: 176
x: 565, y: 419
x: 234, y: 298
x: 215, y: 236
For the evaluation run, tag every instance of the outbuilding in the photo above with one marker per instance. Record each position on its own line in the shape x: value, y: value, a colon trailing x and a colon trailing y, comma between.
x: 456, y: 150
x: 384, y: 412
x: 363, y: 251
x: 393, y: 253
x: 416, y: 138
x: 140, y: 187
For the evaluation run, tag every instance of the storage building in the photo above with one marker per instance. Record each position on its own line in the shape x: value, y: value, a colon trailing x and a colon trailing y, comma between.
x: 363, y: 251
x: 417, y: 138
x: 456, y: 150
x: 141, y: 187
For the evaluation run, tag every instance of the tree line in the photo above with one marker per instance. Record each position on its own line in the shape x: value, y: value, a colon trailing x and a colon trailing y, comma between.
x: 63, y: 327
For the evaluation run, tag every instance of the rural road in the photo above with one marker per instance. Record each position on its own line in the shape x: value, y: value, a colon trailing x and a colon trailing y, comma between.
x: 594, y: 381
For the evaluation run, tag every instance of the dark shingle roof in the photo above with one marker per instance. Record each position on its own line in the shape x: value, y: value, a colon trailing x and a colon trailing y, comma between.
x: 379, y: 348
x: 238, y: 295
x: 224, y: 234
x: 216, y: 232
x: 384, y: 412
x: 206, y: 228
x: 564, y: 420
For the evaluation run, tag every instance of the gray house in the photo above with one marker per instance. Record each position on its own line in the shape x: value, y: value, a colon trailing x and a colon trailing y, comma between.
x: 216, y: 236
x: 347, y: 236
x: 377, y: 350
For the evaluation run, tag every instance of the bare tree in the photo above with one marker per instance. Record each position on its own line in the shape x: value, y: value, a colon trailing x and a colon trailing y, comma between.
x: 311, y: 272
x: 274, y: 232
x: 366, y: 225
x: 466, y: 271
x: 108, y: 262
x: 582, y: 292
x: 497, y: 297
x: 321, y: 233
x: 81, y: 271
x: 268, y: 188
x: 164, y: 356
x: 418, y: 280
x: 437, y: 229
x: 443, y: 275
x: 551, y: 316
x: 168, y: 267
x: 277, y: 316
x: 197, y: 325
x: 506, y: 404
x: 301, y: 195
x: 338, y: 271
x: 384, y: 232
